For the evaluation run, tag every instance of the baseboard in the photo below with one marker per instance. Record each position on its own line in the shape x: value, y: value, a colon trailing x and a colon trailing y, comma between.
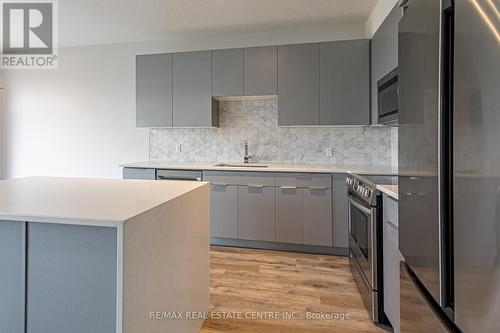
x: 263, y: 245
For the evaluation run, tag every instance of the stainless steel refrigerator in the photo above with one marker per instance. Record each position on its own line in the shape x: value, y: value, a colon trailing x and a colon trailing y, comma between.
x: 449, y: 164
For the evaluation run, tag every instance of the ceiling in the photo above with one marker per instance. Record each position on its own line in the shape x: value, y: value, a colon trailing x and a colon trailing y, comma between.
x: 92, y: 22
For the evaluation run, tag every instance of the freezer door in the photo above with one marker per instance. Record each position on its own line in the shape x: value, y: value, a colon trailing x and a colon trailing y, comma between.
x: 418, y: 140
x: 476, y: 177
x: 417, y: 315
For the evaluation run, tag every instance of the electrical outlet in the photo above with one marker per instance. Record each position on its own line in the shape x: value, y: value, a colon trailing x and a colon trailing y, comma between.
x: 329, y: 151
x: 178, y: 148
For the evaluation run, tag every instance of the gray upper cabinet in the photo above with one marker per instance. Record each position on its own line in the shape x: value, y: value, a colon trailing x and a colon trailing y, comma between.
x: 192, y: 90
x: 298, y: 84
x: 345, y: 82
x: 153, y: 90
x: 260, y: 71
x: 227, y: 72
x: 12, y: 276
x: 384, y: 53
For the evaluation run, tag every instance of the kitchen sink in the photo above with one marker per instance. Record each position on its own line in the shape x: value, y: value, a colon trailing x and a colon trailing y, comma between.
x: 241, y: 165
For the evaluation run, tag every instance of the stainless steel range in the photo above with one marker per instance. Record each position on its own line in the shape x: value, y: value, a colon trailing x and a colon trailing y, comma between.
x: 365, y: 239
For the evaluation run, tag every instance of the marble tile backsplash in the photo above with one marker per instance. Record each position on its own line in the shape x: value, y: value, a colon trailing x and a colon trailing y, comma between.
x: 257, y: 122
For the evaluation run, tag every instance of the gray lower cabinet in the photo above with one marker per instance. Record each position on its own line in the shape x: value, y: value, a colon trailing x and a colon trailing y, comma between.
x: 345, y: 82
x: 227, y: 72
x: 139, y: 173
x: 71, y: 283
x: 384, y: 53
x: 256, y: 213
x: 153, y: 90
x: 192, y: 90
x: 224, y: 210
x: 298, y: 84
x: 289, y: 215
x: 12, y: 276
x: 340, y: 211
x: 260, y: 71
x: 392, y: 257
x: 317, y: 206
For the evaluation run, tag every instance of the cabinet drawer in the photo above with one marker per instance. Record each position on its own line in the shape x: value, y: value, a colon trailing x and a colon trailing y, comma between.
x: 239, y: 178
x: 137, y: 173
x: 390, y: 207
x: 178, y: 175
x: 307, y: 180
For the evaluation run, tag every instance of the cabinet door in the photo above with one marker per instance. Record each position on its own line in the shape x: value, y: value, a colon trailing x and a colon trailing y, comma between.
x: 298, y: 84
x: 256, y: 213
x: 227, y: 72
x: 12, y: 276
x: 391, y: 274
x: 289, y: 222
x: 139, y: 173
x: 317, y: 216
x: 345, y: 82
x: 340, y: 211
x: 72, y: 279
x: 260, y: 71
x: 224, y: 211
x: 153, y: 90
x: 192, y: 89
x: 384, y: 53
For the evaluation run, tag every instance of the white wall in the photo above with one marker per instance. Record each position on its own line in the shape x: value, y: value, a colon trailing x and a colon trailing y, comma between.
x: 79, y: 120
x: 379, y: 13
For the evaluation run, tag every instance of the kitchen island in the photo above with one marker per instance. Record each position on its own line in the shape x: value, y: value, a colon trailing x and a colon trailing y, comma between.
x: 102, y: 256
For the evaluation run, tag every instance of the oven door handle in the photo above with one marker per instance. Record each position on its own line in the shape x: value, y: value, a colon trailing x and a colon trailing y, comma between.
x: 362, y: 208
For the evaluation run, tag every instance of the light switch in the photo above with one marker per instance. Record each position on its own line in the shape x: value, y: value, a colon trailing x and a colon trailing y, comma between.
x: 178, y: 148
x: 329, y: 151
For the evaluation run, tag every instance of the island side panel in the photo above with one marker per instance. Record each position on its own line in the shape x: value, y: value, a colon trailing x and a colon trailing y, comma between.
x: 12, y: 276
x: 166, y: 264
x: 72, y: 276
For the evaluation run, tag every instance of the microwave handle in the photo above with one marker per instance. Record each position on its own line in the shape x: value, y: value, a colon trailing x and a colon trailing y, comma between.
x: 359, y: 206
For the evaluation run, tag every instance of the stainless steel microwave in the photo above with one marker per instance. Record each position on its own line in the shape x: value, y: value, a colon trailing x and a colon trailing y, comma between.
x: 388, y: 98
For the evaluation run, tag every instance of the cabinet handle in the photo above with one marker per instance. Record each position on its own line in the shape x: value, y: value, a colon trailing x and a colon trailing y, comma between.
x: 288, y: 187
x: 392, y: 225
x: 255, y: 186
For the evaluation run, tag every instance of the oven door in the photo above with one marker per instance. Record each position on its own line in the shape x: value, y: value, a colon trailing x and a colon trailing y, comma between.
x: 362, y: 242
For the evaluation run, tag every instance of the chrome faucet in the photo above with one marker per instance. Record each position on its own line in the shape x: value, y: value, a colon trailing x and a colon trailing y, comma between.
x: 246, y: 157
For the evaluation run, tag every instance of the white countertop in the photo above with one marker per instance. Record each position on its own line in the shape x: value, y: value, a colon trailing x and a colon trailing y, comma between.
x: 272, y: 167
x: 390, y: 190
x: 106, y: 202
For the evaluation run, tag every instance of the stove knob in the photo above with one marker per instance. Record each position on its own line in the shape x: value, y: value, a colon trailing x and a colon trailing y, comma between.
x: 365, y: 192
x: 368, y: 193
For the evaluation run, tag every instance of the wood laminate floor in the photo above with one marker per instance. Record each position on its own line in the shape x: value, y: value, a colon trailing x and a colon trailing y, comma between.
x: 250, y: 283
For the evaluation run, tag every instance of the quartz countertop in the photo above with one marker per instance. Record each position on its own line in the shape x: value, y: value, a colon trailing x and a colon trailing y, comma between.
x: 390, y: 190
x: 106, y: 202
x: 271, y: 167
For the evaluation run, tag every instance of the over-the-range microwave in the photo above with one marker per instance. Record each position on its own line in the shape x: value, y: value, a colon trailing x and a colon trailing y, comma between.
x: 388, y: 98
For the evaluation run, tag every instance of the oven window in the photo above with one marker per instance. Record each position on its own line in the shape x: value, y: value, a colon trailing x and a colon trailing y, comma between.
x: 360, y: 222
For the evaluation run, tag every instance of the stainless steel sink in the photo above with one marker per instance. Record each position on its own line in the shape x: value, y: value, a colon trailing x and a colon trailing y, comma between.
x: 241, y: 165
